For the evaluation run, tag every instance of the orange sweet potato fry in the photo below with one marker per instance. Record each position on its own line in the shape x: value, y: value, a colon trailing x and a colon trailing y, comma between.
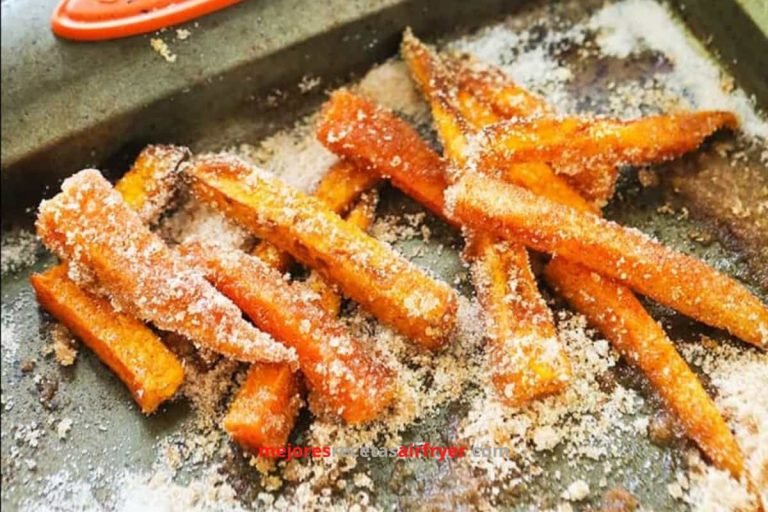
x: 257, y: 416
x: 631, y: 330
x: 627, y: 255
x: 440, y: 91
x: 152, y: 181
x: 265, y: 408
x: 336, y: 366
x: 367, y: 271
x: 570, y: 144
x: 89, y: 225
x: 339, y: 188
x: 129, y: 348
x: 487, y: 96
x: 455, y: 129
x: 492, y: 89
x: 587, y: 152
x: 385, y: 145
x: 361, y: 215
x: 615, y: 311
x: 343, y: 185
x: 150, y: 371
x: 526, y: 358
x: 272, y: 256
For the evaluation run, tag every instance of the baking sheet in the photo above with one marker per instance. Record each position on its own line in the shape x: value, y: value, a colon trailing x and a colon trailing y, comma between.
x: 111, y: 452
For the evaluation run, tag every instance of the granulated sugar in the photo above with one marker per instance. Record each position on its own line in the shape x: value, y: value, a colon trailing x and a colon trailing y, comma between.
x: 740, y: 377
x: 631, y: 26
x: 18, y: 250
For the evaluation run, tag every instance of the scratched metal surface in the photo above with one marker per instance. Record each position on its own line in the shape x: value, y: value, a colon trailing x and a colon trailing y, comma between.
x: 111, y: 435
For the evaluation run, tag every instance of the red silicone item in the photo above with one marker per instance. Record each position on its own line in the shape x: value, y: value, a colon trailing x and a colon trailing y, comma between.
x: 96, y: 20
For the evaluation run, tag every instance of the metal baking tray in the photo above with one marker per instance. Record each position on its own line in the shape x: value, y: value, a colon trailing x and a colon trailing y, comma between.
x: 66, y: 106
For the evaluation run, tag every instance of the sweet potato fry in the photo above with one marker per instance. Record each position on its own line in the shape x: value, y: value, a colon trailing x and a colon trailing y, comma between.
x: 527, y: 360
x: 487, y: 96
x: 272, y: 256
x: 629, y: 256
x: 586, y: 152
x: 455, y: 130
x: 440, y: 91
x: 339, y: 188
x: 361, y: 215
x: 494, y: 91
x: 343, y: 185
x: 249, y: 422
x: 129, y: 348
x: 365, y: 270
x: 137, y: 356
x: 570, y: 144
x: 336, y: 366
x: 89, y: 225
x: 265, y: 408
x: 378, y: 141
x: 152, y: 181
x: 615, y: 311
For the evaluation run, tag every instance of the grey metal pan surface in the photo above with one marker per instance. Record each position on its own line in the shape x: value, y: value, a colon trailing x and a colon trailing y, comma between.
x: 67, y: 106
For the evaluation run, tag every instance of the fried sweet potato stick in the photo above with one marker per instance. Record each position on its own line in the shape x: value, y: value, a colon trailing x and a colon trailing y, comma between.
x: 615, y: 311
x: 342, y: 185
x: 339, y: 188
x: 586, y: 152
x: 359, y: 130
x: 153, y: 180
x: 367, y: 271
x: 491, y: 93
x: 621, y: 318
x: 138, y: 357
x: 487, y: 96
x: 380, y: 142
x: 570, y: 144
x: 336, y: 366
x: 526, y: 358
x: 258, y: 415
x: 89, y: 225
x: 265, y: 408
x: 362, y: 216
x: 627, y: 255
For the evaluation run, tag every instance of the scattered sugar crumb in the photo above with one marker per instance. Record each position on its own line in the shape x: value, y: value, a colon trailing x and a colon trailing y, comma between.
x: 576, y: 491
x: 18, y: 250
x: 162, y: 49
x: 63, y: 428
x: 675, y: 490
x: 309, y: 83
x: 64, y: 345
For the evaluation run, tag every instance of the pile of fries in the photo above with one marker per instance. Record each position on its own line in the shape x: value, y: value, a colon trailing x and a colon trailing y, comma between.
x: 514, y: 176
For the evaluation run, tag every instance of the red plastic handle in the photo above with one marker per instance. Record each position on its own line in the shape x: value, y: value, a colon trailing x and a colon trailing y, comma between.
x: 97, y: 20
